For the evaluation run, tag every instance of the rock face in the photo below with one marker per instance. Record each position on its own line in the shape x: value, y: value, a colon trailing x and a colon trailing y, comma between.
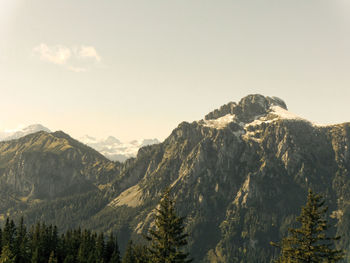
x: 240, y: 176
x: 248, y: 108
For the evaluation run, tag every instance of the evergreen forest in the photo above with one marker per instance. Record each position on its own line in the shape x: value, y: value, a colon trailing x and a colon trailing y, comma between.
x: 311, y: 242
x: 42, y: 243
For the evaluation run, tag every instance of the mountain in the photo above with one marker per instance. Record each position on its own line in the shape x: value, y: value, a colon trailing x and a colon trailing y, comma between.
x: 110, y: 147
x: 239, y: 175
x: 114, y: 149
x: 15, y: 134
x: 44, y: 167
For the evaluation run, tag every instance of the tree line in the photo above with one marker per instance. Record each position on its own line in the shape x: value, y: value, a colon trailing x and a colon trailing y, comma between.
x: 308, y: 243
x: 43, y: 244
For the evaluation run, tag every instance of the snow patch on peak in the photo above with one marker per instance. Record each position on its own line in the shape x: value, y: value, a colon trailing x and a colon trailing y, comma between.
x: 324, y: 125
x: 219, y: 123
x: 275, y: 113
x: 284, y: 114
x: 259, y: 121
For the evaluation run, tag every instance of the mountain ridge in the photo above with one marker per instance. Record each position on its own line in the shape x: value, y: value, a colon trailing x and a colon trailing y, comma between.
x: 240, y: 175
x: 272, y: 144
x: 110, y: 147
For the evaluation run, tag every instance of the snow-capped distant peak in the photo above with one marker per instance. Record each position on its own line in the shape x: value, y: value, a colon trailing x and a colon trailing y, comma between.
x: 87, y: 139
x: 20, y: 132
x: 219, y: 123
x: 114, y: 149
x: 146, y: 142
x: 134, y: 142
x: 111, y: 140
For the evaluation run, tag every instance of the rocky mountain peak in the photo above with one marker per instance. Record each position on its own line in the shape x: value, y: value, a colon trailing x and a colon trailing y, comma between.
x: 255, y: 105
x: 248, y: 108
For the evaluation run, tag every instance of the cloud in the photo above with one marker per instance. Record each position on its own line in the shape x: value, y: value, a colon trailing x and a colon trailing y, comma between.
x: 77, y: 58
x: 19, y: 128
x: 88, y: 52
x: 57, y: 54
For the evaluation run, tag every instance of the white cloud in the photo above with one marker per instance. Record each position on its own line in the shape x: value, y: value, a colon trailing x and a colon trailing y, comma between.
x: 19, y: 128
x: 88, y: 52
x: 57, y: 54
x: 73, y: 59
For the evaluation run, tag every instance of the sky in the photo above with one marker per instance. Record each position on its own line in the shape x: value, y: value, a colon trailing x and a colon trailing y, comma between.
x: 136, y: 69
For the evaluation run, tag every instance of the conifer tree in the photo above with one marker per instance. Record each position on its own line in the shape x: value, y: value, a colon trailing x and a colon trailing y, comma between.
x: 310, y: 243
x: 8, y: 234
x: 22, y: 249
x: 52, y: 258
x: 100, y: 246
x: 141, y: 254
x: 168, y: 238
x: 112, y: 254
x: 7, y: 255
x: 35, y: 256
x: 115, y: 258
x: 129, y: 256
x: 0, y: 240
x: 69, y: 259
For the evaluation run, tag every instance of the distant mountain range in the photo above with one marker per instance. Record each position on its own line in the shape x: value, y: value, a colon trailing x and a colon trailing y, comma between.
x: 114, y: 149
x: 111, y: 147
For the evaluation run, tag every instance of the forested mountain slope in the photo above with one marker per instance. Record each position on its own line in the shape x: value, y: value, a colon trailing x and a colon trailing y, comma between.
x: 240, y: 175
x: 45, y: 167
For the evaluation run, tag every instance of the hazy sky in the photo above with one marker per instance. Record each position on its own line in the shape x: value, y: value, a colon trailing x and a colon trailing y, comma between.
x: 136, y: 69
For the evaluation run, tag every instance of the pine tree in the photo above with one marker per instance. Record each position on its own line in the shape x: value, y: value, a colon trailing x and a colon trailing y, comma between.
x: 141, y: 254
x: 35, y: 256
x: 115, y: 258
x: 69, y: 259
x: 9, y: 234
x: 22, y: 249
x: 7, y: 256
x: 310, y: 243
x: 112, y: 254
x: 52, y: 258
x: 168, y: 238
x: 129, y: 256
x: 100, y: 247
x: 0, y: 240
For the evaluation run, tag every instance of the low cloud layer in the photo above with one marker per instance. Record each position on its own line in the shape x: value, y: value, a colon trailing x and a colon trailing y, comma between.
x: 77, y: 58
